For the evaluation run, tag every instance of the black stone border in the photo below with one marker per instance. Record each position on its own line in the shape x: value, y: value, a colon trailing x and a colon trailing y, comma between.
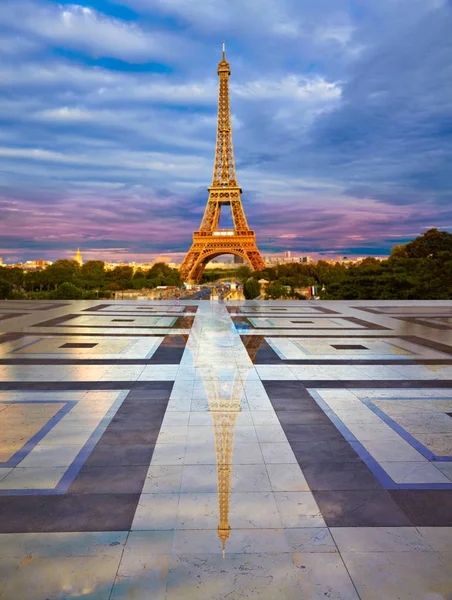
x: 6, y: 304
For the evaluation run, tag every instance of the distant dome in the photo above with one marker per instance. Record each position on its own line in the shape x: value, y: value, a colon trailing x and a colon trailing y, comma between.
x: 78, y: 257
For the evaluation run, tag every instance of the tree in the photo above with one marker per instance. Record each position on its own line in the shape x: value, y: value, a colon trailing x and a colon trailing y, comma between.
x: 66, y: 291
x: 5, y: 289
x: 243, y: 273
x: 93, y: 273
x: 251, y: 289
x: 61, y: 271
x: 275, y: 291
x: 429, y: 243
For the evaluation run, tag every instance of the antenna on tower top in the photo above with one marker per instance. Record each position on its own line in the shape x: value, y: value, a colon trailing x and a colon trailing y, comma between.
x: 224, y: 50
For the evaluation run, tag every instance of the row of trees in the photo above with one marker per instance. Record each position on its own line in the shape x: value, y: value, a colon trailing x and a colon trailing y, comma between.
x: 66, y: 279
x: 418, y: 270
x: 421, y: 269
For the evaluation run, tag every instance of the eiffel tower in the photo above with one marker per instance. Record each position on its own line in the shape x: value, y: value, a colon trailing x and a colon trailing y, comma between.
x: 210, y: 241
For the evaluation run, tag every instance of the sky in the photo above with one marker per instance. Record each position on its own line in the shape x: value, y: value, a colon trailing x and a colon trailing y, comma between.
x: 341, y: 111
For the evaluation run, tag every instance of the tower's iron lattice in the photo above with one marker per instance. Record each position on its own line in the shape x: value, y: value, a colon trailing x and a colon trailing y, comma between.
x: 210, y: 241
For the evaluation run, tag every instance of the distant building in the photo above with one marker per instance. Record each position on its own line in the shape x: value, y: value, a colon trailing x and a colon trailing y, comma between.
x: 35, y: 265
x: 78, y: 257
x: 287, y: 254
x: 305, y: 259
x: 239, y: 260
x: 1, y: 261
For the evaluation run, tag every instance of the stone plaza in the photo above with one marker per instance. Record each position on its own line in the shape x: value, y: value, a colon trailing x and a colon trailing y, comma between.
x: 209, y: 450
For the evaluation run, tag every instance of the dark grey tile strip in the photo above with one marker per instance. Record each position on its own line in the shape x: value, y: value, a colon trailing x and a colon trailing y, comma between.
x: 440, y: 347
x: 388, y: 383
x: 97, y: 307
x: 4, y: 317
x: 420, y: 321
x: 366, y: 324
x: 170, y: 350
x: 425, y: 361
x: 10, y: 337
x: 78, y: 385
x: 30, y: 305
x: 347, y: 492
x: 92, y: 512
x: 425, y: 508
x: 57, y: 321
x: 78, y: 333
x: 105, y: 493
x: 386, y: 310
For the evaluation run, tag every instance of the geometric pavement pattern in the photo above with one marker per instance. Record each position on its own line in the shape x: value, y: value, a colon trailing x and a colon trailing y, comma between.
x: 211, y: 450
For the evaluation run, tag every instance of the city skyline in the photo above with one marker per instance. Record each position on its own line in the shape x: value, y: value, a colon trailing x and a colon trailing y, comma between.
x: 339, y: 115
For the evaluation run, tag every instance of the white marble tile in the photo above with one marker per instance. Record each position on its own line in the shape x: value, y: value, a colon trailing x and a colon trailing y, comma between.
x: 446, y: 468
x: 380, y: 539
x: 159, y: 373
x: 279, y: 372
x: 298, y: 509
x: 156, y: 511
x: 48, y: 577
x: 286, y: 478
x: 44, y: 455
x: 32, y: 478
x: 414, y: 472
x: 278, y: 452
x: 62, y: 544
x: 238, y: 577
x: 176, y: 419
x: 168, y: 454
x: 323, y: 575
x: 242, y: 541
x: 401, y: 575
x: 393, y: 450
x: 141, y: 576
x: 4, y: 472
x: 173, y: 435
x: 438, y: 538
x: 270, y: 433
x: 264, y: 417
x: 165, y: 479
x: 198, y: 511
x: 310, y: 539
x: 149, y: 543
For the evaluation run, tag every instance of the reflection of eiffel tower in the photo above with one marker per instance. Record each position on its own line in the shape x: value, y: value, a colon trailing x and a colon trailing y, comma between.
x: 224, y: 404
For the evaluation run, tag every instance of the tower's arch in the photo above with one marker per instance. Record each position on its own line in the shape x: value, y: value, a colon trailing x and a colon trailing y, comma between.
x: 200, y: 264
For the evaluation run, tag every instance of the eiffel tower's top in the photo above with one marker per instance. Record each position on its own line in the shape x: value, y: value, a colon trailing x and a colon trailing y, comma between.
x: 224, y: 168
x: 223, y: 65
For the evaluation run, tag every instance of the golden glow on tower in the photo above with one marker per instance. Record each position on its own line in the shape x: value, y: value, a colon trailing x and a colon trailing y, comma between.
x: 78, y: 257
x: 210, y: 242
